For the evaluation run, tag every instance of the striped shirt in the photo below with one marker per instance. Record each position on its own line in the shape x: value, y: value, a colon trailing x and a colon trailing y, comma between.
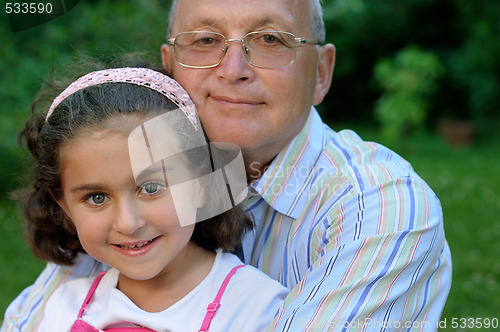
x: 346, y: 225
x: 353, y: 231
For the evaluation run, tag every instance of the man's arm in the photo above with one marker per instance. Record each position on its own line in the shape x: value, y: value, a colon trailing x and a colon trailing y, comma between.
x: 383, y: 262
x: 25, y: 312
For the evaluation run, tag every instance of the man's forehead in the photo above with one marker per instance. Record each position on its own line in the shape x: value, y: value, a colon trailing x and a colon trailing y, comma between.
x: 244, y: 14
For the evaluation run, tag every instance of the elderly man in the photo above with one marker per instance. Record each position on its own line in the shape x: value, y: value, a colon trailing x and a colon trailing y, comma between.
x: 346, y: 225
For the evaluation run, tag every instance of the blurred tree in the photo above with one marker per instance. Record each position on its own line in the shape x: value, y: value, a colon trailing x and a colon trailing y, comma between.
x: 407, y: 81
x: 366, y: 31
x: 475, y: 65
x: 462, y: 33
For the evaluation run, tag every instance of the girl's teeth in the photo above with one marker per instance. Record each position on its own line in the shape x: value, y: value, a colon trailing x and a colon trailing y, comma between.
x: 138, y: 246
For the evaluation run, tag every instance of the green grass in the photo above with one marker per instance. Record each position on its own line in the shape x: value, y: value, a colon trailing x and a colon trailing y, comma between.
x: 467, y: 181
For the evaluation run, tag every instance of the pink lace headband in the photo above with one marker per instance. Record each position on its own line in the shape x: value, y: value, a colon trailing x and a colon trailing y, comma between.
x: 139, y: 76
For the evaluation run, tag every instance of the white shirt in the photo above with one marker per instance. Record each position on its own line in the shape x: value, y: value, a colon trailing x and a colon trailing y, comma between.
x: 249, y: 303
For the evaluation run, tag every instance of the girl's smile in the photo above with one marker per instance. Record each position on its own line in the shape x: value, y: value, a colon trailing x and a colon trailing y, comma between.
x: 138, y: 248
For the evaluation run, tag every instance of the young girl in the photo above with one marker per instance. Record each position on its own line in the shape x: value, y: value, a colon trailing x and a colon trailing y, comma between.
x: 123, y: 173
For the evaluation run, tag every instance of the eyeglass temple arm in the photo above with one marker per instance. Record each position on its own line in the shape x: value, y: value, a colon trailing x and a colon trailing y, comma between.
x: 302, y: 41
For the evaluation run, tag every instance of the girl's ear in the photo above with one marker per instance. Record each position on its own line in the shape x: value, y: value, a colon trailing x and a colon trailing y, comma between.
x: 61, y: 203
x: 201, y: 191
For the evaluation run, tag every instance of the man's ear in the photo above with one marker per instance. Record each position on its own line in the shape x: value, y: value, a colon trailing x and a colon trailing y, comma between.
x: 326, y: 64
x: 167, y: 57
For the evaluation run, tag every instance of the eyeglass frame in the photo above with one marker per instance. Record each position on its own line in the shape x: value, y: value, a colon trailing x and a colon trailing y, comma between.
x: 298, y: 42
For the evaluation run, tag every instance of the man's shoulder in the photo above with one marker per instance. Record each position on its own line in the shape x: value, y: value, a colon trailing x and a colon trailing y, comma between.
x: 347, y: 147
x: 364, y: 163
x: 350, y: 167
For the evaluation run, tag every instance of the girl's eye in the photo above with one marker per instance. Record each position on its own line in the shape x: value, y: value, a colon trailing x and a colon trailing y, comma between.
x: 97, y: 199
x: 151, y: 188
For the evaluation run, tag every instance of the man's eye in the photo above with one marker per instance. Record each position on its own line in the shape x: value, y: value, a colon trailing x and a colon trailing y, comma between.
x: 269, y: 39
x: 96, y: 199
x: 207, y: 41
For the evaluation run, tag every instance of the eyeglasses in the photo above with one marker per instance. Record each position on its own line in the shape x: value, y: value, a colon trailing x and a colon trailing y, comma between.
x: 265, y: 49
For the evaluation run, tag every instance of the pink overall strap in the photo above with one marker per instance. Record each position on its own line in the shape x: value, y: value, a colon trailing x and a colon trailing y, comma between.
x: 212, y: 307
x: 91, y: 292
x: 129, y: 329
x: 80, y: 325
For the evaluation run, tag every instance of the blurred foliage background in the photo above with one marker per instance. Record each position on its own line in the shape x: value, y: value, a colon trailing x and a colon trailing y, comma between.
x: 421, y: 76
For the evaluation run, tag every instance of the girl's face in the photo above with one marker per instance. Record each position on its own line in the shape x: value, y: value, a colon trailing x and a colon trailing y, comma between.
x: 129, y: 225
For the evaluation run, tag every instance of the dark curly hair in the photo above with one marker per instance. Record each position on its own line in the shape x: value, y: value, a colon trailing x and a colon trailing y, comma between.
x: 49, y: 232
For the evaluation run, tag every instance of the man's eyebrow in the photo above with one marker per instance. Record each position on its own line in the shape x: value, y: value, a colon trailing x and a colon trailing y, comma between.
x: 261, y: 21
x: 205, y: 21
x: 199, y: 23
x: 264, y: 21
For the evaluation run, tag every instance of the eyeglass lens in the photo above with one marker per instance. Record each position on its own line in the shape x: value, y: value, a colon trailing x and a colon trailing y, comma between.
x: 263, y: 49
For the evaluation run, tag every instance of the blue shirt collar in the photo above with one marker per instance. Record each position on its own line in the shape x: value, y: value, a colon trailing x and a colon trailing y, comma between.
x: 284, y: 185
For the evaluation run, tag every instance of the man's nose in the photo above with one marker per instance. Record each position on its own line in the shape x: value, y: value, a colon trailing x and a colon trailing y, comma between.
x: 235, y: 66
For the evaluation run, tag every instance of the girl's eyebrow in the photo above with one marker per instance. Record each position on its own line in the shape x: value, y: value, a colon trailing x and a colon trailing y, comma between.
x: 159, y: 167
x: 86, y: 187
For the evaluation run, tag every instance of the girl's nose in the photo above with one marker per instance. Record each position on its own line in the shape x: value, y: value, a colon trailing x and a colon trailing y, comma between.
x: 128, y: 218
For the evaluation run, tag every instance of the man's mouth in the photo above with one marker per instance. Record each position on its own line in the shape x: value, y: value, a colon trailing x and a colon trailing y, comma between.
x: 233, y: 100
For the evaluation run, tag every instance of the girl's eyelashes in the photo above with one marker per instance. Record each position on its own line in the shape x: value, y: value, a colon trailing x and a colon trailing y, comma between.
x: 152, y: 188
x: 96, y: 199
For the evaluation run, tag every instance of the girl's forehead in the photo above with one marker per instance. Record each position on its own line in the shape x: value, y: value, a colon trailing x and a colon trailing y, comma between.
x: 123, y: 123
x: 162, y: 137
x: 119, y: 124
x: 158, y: 133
